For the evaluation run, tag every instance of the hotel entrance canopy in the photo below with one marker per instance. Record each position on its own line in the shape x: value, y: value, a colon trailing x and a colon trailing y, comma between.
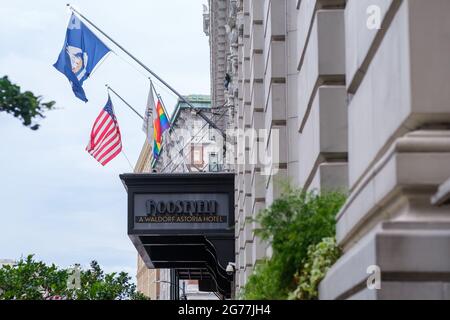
x: 184, y: 222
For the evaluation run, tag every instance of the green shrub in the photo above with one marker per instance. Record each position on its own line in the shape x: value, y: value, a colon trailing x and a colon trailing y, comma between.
x: 320, y: 258
x: 262, y: 285
x: 293, y: 223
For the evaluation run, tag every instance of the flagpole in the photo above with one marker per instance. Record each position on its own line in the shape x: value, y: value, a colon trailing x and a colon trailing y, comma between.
x: 198, y: 112
x: 159, y: 97
x: 123, y: 100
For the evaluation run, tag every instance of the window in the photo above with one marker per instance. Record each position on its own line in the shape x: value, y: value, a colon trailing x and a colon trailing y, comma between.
x: 197, y: 155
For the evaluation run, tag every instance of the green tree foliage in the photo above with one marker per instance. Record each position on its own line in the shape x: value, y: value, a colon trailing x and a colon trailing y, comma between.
x: 34, y: 280
x: 97, y: 285
x: 22, y: 105
x: 29, y: 279
x: 292, y: 224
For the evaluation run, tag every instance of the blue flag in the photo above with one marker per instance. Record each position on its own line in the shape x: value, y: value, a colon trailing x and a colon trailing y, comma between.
x: 81, y: 52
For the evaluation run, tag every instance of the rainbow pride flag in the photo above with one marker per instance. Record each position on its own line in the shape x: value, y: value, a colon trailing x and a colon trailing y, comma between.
x: 160, y: 125
x: 162, y: 117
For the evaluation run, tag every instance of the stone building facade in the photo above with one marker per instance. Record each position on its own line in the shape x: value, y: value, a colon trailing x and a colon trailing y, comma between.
x: 191, y: 145
x: 148, y: 280
x: 350, y: 95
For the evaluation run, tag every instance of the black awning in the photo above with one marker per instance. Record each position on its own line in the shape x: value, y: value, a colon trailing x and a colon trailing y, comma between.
x: 184, y: 222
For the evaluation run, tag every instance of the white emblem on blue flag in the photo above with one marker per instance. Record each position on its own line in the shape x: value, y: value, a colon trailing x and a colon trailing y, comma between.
x: 78, y: 60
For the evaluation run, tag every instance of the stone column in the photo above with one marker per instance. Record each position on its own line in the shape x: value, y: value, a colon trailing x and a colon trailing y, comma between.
x: 399, y: 153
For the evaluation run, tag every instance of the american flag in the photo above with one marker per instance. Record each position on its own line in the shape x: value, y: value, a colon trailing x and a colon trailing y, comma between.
x: 106, y: 142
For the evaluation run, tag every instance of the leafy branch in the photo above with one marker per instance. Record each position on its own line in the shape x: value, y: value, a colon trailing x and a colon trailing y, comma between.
x: 23, y: 105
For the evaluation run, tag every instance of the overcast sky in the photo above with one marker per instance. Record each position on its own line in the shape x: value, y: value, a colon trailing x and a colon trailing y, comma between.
x: 55, y: 200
